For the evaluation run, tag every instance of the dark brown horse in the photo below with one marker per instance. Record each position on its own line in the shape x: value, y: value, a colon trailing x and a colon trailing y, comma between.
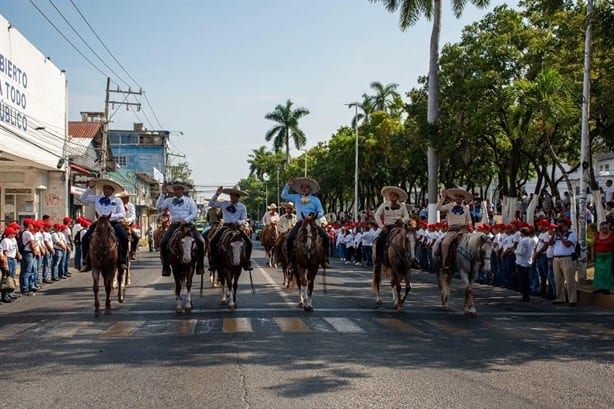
x: 212, y: 273
x: 308, y: 256
x: 159, y: 232
x: 126, y: 276
x: 396, y: 264
x: 232, y: 255
x: 281, y: 255
x: 182, y: 258
x: 103, y: 256
x: 268, y: 238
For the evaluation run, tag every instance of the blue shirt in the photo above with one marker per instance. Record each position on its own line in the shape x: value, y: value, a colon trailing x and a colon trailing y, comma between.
x: 233, y: 212
x: 181, y: 209
x: 305, y: 205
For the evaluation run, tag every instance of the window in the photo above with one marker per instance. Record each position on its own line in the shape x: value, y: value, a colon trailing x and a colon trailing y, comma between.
x: 121, y: 161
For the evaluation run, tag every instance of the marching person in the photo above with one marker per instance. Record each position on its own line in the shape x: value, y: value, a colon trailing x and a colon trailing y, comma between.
x: 234, y: 215
x: 181, y: 209
x: 458, y: 217
x: 390, y: 213
x: 288, y: 219
x: 105, y: 205
x: 128, y: 220
x: 306, y: 205
x: 271, y: 217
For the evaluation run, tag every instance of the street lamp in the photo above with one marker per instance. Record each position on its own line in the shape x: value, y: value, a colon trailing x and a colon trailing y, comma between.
x: 355, y: 105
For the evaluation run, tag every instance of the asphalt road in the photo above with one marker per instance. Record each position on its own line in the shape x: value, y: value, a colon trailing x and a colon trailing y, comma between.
x: 268, y: 353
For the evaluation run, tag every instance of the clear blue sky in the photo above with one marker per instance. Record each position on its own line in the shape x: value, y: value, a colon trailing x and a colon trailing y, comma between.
x: 213, y: 69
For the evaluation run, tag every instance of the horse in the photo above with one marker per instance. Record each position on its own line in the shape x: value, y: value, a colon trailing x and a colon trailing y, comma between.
x: 268, y: 238
x: 209, y: 253
x: 281, y: 255
x: 103, y: 256
x: 472, y: 257
x: 309, y: 254
x: 159, y: 232
x: 127, y: 280
x: 396, y: 263
x: 231, y: 256
x: 182, y: 259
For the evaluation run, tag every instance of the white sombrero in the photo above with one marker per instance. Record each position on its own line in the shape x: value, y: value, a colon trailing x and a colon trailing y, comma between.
x: 272, y: 206
x: 124, y: 194
x: 288, y: 205
x: 386, y: 190
x: 313, y: 185
x: 236, y: 189
x: 452, y: 193
x: 101, y: 182
x: 171, y: 185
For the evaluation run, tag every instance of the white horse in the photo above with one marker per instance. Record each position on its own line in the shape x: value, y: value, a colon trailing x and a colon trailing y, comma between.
x: 473, y: 254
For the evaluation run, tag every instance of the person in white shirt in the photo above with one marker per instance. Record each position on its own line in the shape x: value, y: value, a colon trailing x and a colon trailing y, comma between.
x: 271, y: 217
x: 609, y: 192
x: 367, y: 244
x: 10, y: 256
x: 524, y: 260
x: 128, y: 220
x: 358, y: 247
x: 349, y: 246
x: 59, y: 247
x: 48, y: 258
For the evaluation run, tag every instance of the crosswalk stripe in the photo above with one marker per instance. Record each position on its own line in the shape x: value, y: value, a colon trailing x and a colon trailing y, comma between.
x: 399, y: 325
x: 593, y: 327
x: 344, y: 325
x: 122, y: 328
x: 66, y: 329
x: 185, y: 327
x: 237, y: 325
x: 291, y: 324
x: 446, y: 327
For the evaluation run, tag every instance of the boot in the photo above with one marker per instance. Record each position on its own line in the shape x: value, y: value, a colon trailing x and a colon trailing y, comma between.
x: 87, y: 266
x: 132, y: 256
x: 166, y: 269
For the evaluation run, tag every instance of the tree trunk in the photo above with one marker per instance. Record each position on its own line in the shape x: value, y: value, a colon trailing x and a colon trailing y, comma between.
x: 433, y: 112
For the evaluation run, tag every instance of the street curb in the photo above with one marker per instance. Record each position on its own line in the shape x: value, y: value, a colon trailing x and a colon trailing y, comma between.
x: 586, y: 297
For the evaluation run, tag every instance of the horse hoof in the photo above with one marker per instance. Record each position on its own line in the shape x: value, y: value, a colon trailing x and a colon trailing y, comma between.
x: 378, y: 302
x: 300, y: 305
x: 178, y: 311
x: 188, y: 310
x: 128, y: 281
x: 308, y: 308
x: 223, y: 302
x: 120, y: 300
x: 107, y: 312
x: 400, y: 308
x: 232, y: 307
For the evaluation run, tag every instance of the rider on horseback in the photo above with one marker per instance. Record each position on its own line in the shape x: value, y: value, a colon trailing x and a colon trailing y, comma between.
x: 128, y: 220
x: 287, y: 220
x: 306, y: 205
x: 235, y: 215
x: 182, y: 209
x: 458, y: 217
x: 105, y: 204
x: 392, y: 212
x: 271, y: 217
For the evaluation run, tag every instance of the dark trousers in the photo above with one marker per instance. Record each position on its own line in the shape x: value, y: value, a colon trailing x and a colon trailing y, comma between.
x: 135, y: 241
x: 321, y: 232
x: 122, y: 238
x: 216, y: 239
x: 523, y: 278
x: 380, y: 243
x: 200, y: 246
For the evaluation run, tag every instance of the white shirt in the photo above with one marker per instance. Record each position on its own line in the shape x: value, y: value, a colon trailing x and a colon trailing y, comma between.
x: 181, y: 209
x: 269, y: 218
x: 559, y: 249
x: 105, y: 205
x: 542, y: 241
x: 367, y: 238
x: 130, y: 213
x: 524, y: 252
x: 9, y: 246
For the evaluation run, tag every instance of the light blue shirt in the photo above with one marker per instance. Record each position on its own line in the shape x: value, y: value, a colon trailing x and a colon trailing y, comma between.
x: 233, y: 212
x: 305, y: 205
x: 105, y: 205
x: 181, y: 209
x: 562, y: 250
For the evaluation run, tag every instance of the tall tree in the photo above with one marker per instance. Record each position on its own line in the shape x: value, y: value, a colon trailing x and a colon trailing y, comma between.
x: 365, y: 109
x: 287, y: 128
x: 409, y: 14
x: 384, y: 94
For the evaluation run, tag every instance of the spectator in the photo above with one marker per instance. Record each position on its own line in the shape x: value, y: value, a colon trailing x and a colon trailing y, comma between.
x: 603, y: 246
x: 524, y: 261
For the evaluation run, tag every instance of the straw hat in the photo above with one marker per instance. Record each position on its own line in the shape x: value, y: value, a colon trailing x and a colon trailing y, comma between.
x: 386, y: 190
x: 124, y: 194
x: 313, y: 185
x: 236, y: 189
x: 452, y: 193
x: 272, y: 206
x: 177, y: 183
x: 102, y: 182
x: 287, y: 205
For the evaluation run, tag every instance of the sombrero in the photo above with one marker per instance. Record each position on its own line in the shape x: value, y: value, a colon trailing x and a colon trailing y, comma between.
x: 289, y: 205
x: 100, y: 183
x: 451, y: 193
x: 313, y: 185
x: 386, y: 190
x: 272, y: 206
x: 171, y: 185
x: 124, y: 194
x: 236, y: 189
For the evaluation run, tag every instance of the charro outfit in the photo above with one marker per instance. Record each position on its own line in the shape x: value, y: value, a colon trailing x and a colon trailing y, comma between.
x: 129, y: 219
x: 459, y: 219
x: 105, y: 206
x: 286, y: 222
x: 181, y: 209
x: 386, y: 215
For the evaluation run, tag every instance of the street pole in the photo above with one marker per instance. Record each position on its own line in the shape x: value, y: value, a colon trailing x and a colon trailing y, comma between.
x: 355, y: 213
x: 305, y: 163
x: 585, y: 143
x: 105, y: 132
x: 278, y: 186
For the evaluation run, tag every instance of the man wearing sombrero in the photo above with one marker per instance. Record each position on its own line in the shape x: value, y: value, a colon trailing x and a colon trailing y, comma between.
x: 458, y: 217
x: 182, y: 209
x: 129, y: 220
x: 271, y: 217
x: 391, y: 212
x: 234, y: 215
x: 306, y: 205
x: 105, y: 205
x: 288, y: 219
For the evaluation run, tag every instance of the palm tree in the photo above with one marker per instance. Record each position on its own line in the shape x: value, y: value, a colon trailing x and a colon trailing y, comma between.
x: 410, y: 12
x: 258, y: 160
x: 383, y: 94
x: 286, y: 128
x: 367, y: 108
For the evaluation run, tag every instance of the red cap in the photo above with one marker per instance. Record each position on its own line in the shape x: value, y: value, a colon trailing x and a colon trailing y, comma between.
x: 66, y: 220
x: 14, y: 226
x: 9, y: 230
x: 27, y: 221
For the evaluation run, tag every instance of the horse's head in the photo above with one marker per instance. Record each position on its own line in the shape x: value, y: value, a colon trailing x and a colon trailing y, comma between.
x: 183, y: 244
x: 233, y: 247
x: 307, y: 237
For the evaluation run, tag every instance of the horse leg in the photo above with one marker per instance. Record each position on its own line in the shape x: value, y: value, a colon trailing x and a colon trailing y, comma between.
x: 311, y: 278
x: 115, y: 280
x: 95, y: 287
x: 444, y: 287
x: 232, y: 304
x: 178, y: 288
x: 469, y: 307
x: 120, y: 285
x: 377, y: 277
x: 108, y: 287
x: 225, y: 293
x: 187, y: 303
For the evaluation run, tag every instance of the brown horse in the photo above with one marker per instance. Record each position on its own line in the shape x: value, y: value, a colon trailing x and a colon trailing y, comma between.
x: 212, y: 276
x: 103, y: 256
x: 281, y: 255
x: 182, y: 258
x: 308, y: 256
x: 268, y: 238
x: 231, y: 256
x: 396, y: 263
x: 159, y: 232
x: 126, y: 275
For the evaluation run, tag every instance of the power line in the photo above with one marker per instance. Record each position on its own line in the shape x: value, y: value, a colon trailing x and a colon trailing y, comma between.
x: 86, y: 43
x: 67, y: 40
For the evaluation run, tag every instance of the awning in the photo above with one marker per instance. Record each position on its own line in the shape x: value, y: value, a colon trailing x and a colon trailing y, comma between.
x: 82, y: 170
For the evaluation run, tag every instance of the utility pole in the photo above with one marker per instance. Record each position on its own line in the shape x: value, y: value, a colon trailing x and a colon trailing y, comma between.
x: 105, y: 123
